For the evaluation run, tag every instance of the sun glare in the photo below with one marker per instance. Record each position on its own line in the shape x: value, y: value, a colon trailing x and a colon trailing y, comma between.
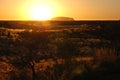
x: 41, y: 10
x: 40, y: 13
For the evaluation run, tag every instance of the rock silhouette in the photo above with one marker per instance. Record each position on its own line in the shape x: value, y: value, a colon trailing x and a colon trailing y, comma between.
x: 62, y: 19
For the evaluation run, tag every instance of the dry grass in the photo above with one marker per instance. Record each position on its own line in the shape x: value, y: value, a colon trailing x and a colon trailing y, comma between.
x: 105, y: 54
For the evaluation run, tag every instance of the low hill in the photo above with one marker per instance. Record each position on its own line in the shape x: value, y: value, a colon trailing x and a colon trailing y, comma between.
x: 62, y: 19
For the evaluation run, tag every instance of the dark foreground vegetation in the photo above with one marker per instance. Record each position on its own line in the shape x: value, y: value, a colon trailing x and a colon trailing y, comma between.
x: 60, y: 50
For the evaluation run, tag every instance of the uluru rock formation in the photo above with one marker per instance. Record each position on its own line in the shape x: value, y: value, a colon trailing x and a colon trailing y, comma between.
x: 62, y: 19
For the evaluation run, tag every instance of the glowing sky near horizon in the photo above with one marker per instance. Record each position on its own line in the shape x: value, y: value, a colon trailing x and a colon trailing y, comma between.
x: 77, y: 9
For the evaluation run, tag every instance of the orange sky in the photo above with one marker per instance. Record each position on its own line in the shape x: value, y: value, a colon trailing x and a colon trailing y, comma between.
x: 77, y: 9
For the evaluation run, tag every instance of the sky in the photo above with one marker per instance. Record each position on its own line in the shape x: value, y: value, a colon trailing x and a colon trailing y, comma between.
x: 77, y: 9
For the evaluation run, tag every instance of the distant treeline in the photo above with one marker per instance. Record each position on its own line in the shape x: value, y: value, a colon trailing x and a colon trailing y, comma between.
x: 92, y: 22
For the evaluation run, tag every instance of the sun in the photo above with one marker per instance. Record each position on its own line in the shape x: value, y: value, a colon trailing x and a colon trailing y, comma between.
x: 38, y: 12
